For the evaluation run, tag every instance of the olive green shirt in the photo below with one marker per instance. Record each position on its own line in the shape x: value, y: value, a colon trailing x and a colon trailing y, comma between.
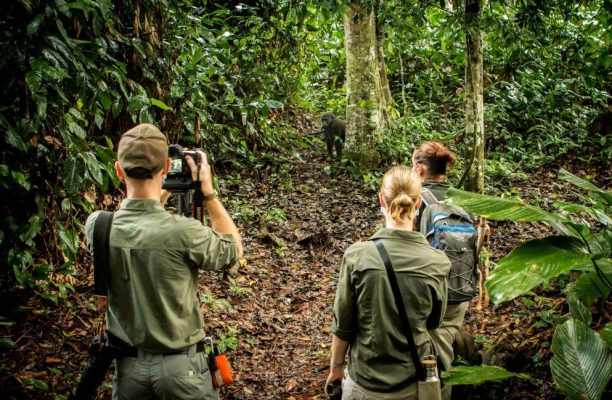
x: 365, y: 314
x: 154, y: 262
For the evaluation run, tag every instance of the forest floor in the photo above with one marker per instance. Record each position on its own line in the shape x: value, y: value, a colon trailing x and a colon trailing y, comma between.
x: 297, y: 215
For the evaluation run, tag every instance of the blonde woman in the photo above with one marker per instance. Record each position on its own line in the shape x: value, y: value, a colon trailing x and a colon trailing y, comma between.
x: 366, y: 323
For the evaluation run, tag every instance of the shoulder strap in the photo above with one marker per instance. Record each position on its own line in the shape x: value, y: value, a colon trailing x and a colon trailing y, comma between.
x: 399, y: 303
x: 101, y: 236
x: 428, y: 197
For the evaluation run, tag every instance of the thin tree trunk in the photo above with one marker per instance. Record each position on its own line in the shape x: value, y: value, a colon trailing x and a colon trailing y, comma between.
x: 474, y: 106
x: 366, y: 106
x: 382, y: 71
x: 404, y: 102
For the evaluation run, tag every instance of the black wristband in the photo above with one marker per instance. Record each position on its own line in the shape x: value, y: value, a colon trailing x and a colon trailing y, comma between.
x: 208, y: 197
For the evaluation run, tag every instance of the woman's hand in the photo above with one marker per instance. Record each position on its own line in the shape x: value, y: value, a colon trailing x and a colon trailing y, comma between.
x: 336, y: 374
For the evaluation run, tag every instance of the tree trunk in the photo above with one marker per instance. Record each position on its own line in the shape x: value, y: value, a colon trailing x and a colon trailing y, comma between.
x: 382, y: 71
x: 474, y: 104
x: 366, y: 111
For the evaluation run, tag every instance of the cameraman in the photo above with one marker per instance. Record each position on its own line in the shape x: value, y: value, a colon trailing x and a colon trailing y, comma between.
x: 153, y: 306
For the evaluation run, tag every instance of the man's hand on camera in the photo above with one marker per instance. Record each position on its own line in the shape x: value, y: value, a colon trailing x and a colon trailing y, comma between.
x: 164, y: 196
x: 205, y: 175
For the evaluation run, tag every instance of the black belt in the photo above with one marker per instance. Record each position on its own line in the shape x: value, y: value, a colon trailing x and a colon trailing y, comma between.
x: 122, y: 349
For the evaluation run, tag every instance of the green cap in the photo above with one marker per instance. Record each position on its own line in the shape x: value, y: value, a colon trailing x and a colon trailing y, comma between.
x: 142, y: 151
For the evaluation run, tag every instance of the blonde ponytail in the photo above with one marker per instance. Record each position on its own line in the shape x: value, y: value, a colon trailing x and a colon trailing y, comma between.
x: 400, y: 188
x: 401, y: 207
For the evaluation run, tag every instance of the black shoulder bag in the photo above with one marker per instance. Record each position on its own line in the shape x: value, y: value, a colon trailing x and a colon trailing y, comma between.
x: 101, y: 238
x: 100, y: 354
x: 428, y: 388
x: 399, y: 303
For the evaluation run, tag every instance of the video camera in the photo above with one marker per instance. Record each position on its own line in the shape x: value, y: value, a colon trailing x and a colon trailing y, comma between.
x: 179, y: 178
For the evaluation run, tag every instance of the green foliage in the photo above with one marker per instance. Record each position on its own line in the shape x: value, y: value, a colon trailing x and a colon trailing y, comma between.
x: 71, y: 77
x: 38, y: 384
x: 226, y: 74
x: 275, y: 215
x: 545, y: 77
x: 245, y: 213
x: 78, y: 74
x: 228, y: 340
x: 547, y: 86
x: 583, y: 246
x: 6, y: 343
x: 407, y: 131
x: 498, y: 208
x: 582, y: 364
x: 475, y: 375
x: 214, y: 303
x: 239, y: 291
x: 535, y: 262
x: 606, y: 334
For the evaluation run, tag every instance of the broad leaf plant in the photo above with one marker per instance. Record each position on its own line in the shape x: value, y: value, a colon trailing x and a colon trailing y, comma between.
x: 582, y: 362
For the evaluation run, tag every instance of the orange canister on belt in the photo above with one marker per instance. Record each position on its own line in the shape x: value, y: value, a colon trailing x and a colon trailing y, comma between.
x: 220, y: 369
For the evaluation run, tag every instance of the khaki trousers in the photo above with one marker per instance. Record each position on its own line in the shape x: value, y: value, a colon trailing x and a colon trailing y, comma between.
x: 352, y: 391
x: 149, y: 376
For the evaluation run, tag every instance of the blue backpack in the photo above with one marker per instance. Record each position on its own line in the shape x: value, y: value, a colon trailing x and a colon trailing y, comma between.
x: 451, y: 229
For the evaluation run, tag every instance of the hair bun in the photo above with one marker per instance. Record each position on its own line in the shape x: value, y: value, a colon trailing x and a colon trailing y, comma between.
x: 436, y: 157
x: 442, y: 153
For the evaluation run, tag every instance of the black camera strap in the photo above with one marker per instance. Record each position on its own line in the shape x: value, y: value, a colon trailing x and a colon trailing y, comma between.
x: 401, y: 309
x: 197, y: 202
x: 101, y: 236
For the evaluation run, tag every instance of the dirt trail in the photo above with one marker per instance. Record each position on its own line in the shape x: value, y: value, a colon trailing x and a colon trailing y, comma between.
x: 283, y: 327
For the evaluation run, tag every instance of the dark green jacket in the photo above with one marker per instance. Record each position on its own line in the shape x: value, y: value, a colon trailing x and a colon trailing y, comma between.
x: 154, y: 261
x: 365, y: 314
x: 438, y: 189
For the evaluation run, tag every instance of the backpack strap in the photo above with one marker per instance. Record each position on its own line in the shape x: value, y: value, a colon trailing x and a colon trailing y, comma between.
x: 101, y: 236
x: 399, y: 303
x: 428, y: 197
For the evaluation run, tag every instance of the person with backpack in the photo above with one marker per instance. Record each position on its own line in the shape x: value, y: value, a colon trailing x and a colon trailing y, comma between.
x: 452, y: 230
x: 384, y: 326
x: 154, y: 323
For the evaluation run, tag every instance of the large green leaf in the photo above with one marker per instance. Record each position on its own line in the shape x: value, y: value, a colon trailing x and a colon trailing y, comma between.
x: 475, y: 375
x: 590, y: 286
x: 576, y: 181
x: 582, y: 363
x: 137, y: 102
x: 578, y: 310
x: 93, y: 166
x: 498, y: 209
x: 160, y: 104
x: 6, y: 343
x: 606, y: 334
x: 605, y: 197
x: 32, y: 229
x: 535, y: 262
x: 72, y: 174
x: 68, y: 237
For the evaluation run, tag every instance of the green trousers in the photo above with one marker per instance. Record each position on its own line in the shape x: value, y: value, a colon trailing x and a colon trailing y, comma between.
x: 444, y: 337
x: 149, y: 376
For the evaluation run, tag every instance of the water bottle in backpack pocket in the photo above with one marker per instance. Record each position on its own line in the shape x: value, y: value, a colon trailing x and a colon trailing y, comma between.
x: 451, y: 229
